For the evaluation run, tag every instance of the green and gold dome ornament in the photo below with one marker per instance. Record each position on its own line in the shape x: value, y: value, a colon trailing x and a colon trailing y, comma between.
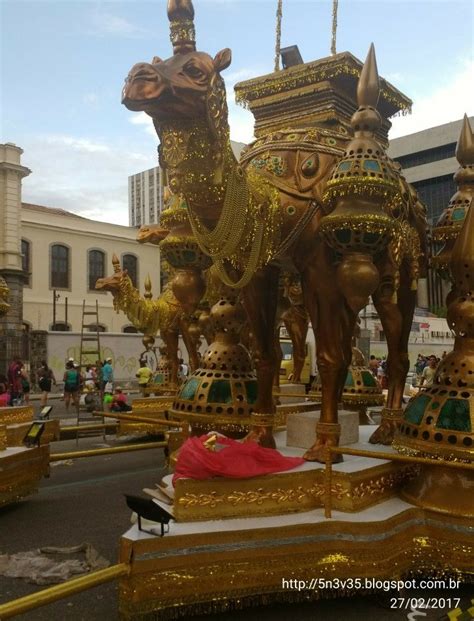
x: 439, y: 421
x: 360, y: 389
x: 220, y: 394
x: 363, y: 199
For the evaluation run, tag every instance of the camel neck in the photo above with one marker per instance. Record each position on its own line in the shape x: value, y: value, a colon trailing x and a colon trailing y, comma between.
x: 197, y: 166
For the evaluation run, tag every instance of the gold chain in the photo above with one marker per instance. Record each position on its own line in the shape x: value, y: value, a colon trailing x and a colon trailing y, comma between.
x: 248, y: 231
x: 223, y: 240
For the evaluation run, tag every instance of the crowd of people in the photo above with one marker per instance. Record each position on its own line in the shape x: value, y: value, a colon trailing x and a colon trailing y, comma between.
x: 15, y: 386
x: 97, y: 381
x: 424, y: 370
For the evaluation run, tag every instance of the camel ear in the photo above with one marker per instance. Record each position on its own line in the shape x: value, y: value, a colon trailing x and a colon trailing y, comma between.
x: 156, y: 60
x: 222, y: 59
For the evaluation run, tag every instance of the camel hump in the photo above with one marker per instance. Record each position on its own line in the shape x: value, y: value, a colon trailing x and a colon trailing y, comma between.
x: 296, y: 160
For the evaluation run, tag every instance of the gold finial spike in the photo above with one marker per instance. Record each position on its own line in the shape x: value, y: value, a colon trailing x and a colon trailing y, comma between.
x: 368, y: 86
x: 148, y: 293
x: 462, y: 257
x: 182, y: 34
x: 465, y: 145
x: 116, y: 263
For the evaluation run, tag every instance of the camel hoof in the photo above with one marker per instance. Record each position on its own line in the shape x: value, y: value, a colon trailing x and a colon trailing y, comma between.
x: 262, y: 436
x: 318, y: 453
x: 267, y: 440
x: 385, y: 433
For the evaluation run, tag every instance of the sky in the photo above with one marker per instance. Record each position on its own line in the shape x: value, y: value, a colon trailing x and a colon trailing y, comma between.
x: 63, y: 65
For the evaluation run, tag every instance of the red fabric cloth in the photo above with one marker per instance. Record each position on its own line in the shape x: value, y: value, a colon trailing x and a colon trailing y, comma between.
x: 236, y: 460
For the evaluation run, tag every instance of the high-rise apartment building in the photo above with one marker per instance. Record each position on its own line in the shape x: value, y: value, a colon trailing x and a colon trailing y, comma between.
x: 145, y: 197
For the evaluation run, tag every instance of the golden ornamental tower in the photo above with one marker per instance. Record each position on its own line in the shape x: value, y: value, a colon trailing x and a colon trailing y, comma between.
x: 451, y: 220
x: 439, y: 421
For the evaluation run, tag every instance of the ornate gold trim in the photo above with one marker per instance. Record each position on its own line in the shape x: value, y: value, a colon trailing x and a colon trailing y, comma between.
x: 176, y: 576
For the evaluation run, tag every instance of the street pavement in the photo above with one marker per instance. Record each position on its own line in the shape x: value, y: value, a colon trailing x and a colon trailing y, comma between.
x: 83, y: 501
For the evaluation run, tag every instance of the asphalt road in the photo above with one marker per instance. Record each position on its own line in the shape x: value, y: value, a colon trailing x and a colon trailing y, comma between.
x: 83, y: 502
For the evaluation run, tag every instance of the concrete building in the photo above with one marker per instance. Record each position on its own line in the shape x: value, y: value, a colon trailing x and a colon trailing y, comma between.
x: 145, y: 197
x: 145, y: 193
x: 429, y: 163
x: 12, y: 343
x: 64, y: 254
x: 50, y: 260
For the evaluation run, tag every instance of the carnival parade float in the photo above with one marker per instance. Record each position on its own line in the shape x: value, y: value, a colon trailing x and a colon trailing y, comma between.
x: 259, y: 495
x: 315, y: 193
x: 21, y: 466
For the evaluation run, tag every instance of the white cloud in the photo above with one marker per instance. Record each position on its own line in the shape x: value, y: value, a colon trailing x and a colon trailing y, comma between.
x: 442, y: 105
x: 141, y: 118
x: 91, y: 99
x: 77, y: 144
x: 81, y: 175
x: 106, y: 24
x: 241, y: 123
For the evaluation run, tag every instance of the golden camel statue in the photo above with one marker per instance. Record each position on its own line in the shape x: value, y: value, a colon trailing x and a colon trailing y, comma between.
x: 337, y: 209
x: 164, y: 314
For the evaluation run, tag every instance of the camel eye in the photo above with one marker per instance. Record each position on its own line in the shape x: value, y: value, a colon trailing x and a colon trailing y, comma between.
x: 193, y: 72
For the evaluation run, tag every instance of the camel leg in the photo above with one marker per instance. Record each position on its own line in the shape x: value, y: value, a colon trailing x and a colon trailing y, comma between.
x: 333, y: 323
x: 396, y: 321
x: 190, y: 344
x: 279, y: 358
x: 260, y: 302
x: 171, y: 340
x: 296, y: 324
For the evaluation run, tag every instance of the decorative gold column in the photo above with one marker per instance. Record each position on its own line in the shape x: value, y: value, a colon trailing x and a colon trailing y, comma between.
x: 439, y: 422
x: 451, y: 220
x: 180, y: 249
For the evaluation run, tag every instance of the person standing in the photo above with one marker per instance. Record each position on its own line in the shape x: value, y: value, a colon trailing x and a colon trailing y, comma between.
x: 4, y: 395
x: 72, y: 384
x: 373, y: 365
x: 144, y: 375
x: 107, y: 376
x: 14, y: 380
x: 25, y: 384
x: 45, y: 380
x: 429, y: 372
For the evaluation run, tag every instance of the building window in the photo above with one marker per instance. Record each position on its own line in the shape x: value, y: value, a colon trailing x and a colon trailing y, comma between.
x: 435, y: 194
x: 59, y: 267
x: 26, y: 261
x: 60, y: 326
x: 96, y: 266
x: 130, y: 330
x: 130, y: 263
x: 427, y: 156
x: 92, y: 327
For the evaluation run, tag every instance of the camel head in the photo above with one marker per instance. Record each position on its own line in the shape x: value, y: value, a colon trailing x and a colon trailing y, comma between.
x: 181, y: 87
x: 152, y: 233
x: 111, y: 283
